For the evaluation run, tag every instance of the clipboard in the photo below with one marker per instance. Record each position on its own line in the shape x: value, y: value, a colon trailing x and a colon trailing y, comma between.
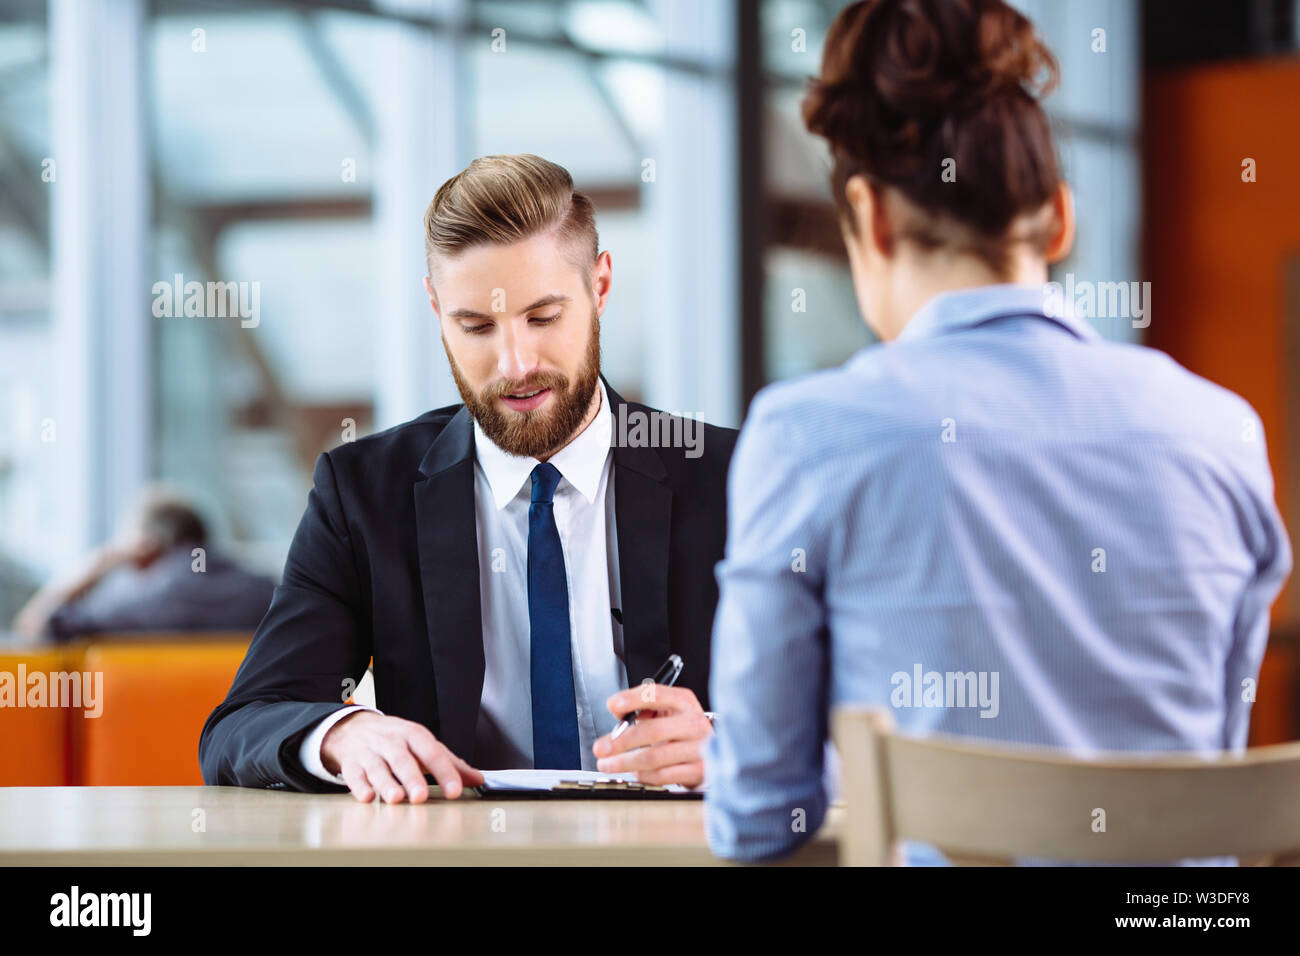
x: 575, y: 785
x: 575, y: 790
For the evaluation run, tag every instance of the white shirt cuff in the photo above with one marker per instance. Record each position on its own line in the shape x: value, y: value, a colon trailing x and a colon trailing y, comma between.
x: 309, y: 752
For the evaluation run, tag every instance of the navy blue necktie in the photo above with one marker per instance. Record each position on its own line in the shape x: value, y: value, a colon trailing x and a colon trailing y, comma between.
x: 555, y: 708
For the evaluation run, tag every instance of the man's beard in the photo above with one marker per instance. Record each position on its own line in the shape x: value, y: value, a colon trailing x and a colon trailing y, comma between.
x: 539, y: 432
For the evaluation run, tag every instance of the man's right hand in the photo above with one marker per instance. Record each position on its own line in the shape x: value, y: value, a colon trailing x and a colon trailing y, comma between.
x: 389, y: 756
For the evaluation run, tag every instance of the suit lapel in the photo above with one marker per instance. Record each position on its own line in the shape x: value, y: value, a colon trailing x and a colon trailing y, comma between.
x: 643, y: 512
x: 448, y: 549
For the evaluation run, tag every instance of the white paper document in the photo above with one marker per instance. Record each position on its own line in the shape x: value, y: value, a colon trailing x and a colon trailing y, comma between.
x: 548, y: 779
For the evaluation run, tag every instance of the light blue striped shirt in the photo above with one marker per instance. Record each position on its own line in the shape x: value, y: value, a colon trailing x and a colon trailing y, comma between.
x: 1085, y: 525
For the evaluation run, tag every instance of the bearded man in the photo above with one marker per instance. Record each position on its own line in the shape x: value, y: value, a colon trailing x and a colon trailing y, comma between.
x: 516, y: 570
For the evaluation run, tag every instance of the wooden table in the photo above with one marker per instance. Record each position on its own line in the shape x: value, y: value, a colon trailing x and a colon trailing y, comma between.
x: 220, y: 826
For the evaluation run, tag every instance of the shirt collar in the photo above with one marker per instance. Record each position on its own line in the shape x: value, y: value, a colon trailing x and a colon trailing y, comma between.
x: 580, y: 462
x: 967, y: 308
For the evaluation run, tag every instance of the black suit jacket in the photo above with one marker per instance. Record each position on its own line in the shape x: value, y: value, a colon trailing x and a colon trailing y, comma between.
x: 385, y: 564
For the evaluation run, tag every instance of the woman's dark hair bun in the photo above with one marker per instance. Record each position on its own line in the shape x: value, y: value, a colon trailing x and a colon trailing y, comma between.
x: 908, y: 84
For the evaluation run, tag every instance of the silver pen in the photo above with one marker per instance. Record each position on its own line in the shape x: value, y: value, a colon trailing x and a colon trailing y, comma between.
x: 667, y: 675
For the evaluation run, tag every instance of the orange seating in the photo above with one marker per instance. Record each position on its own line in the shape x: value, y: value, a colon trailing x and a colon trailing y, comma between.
x: 156, y: 699
x: 35, y: 748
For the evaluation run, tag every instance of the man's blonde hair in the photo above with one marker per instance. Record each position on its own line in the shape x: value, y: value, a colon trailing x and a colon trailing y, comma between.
x: 507, y: 199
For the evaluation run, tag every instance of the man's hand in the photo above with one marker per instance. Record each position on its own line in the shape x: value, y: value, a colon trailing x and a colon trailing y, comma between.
x: 389, y: 756
x: 663, y: 746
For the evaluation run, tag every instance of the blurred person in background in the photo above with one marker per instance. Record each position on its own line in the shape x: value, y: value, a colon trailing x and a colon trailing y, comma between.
x: 157, y: 574
x: 1086, y: 527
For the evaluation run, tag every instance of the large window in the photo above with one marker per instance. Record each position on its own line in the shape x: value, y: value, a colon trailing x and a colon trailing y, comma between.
x: 27, y: 502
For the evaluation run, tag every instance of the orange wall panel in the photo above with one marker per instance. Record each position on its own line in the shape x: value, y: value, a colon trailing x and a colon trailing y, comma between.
x: 1217, y: 251
x: 1216, y: 248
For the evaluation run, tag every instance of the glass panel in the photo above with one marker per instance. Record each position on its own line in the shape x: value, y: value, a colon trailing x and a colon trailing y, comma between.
x: 605, y: 26
x: 552, y: 103
x: 263, y: 172
x: 26, y: 361
x: 794, y: 32
x: 812, y: 318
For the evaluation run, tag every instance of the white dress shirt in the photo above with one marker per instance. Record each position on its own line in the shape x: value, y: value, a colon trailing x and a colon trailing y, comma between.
x: 584, y: 517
